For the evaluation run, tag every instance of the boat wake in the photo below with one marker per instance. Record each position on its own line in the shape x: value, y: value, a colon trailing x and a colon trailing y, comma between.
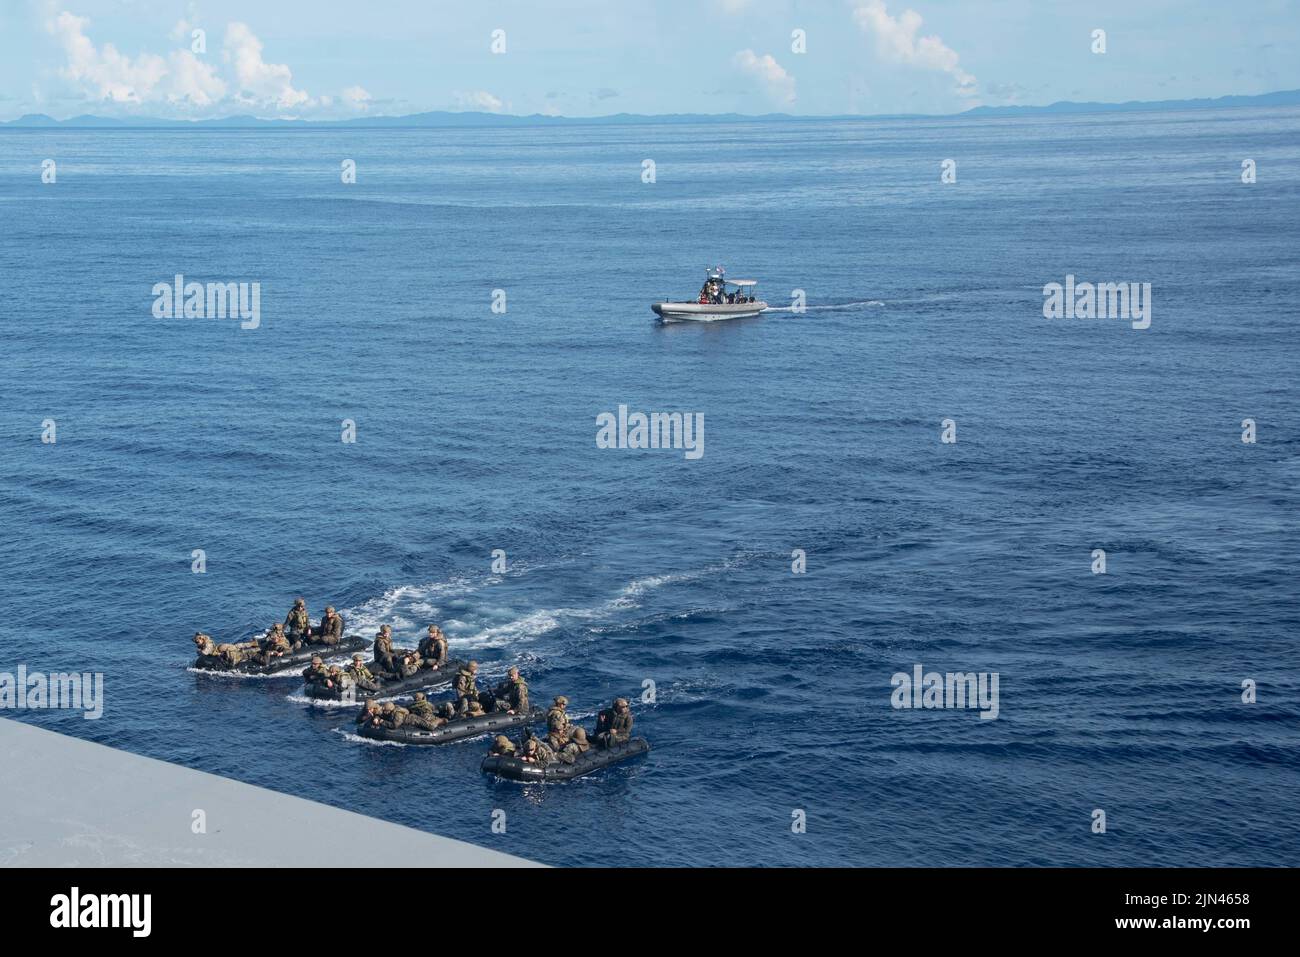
x: 472, y: 622
x: 829, y: 307
x: 358, y: 739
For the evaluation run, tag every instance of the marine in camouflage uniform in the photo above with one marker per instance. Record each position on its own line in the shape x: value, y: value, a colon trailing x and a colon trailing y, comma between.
x: 343, y: 680
x: 361, y: 675
x: 229, y: 654
x: 274, y: 645
x: 330, y: 629
x: 385, y: 658
x: 316, y: 672
x: 502, y: 747
x: 298, y: 623
x: 614, y: 725
x: 369, y: 715
x: 577, y: 746
x: 512, y: 693
x: 391, y: 715
x: 467, y: 688
x: 433, y: 648
x: 558, y: 725
x: 537, y: 752
x: 422, y: 714
x: 407, y: 663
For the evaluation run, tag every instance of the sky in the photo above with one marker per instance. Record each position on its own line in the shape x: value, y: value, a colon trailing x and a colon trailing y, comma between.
x: 341, y: 58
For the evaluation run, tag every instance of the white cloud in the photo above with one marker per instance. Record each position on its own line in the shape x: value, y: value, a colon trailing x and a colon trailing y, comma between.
x: 897, y: 40
x: 357, y: 98
x: 105, y: 74
x: 193, y: 81
x: 260, y: 83
x: 184, y: 80
x: 479, y: 100
x: 776, y: 82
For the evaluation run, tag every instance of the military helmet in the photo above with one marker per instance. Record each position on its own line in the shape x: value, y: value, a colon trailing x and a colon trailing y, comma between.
x: 335, y: 669
x: 389, y: 706
x: 502, y: 743
x: 513, y: 672
x: 620, y: 703
x: 580, y: 735
x: 317, y: 660
x: 298, y: 601
x: 561, y: 701
x: 473, y: 666
x: 419, y: 696
x: 357, y: 658
x: 372, y: 705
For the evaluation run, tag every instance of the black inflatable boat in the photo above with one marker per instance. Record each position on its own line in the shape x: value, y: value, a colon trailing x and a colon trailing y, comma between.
x: 389, y: 687
x: 589, y: 761
x: 458, y: 729
x: 296, y: 659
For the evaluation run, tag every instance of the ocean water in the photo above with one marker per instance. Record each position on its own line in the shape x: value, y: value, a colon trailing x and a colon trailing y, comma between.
x: 475, y: 431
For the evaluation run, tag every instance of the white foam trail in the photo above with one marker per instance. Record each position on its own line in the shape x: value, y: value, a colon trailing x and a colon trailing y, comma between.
x: 301, y: 697
x: 492, y: 625
x: 829, y: 307
x: 349, y: 736
x: 243, y: 675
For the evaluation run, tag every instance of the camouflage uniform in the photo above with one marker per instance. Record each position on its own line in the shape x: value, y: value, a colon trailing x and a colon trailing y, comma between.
x: 229, y: 654
x: 578, y: 745
x: 538, y: 752
x: 275, y: 644
x: 297, y: 623
x: 407, y: 664
x: 385, y: 659
x: 558, y: 725
x: 422, y: 714
x: 330, y: 629
x: 614, y: 725
x: 343, y: 680
x: 513, y: 692
x: 467, y: 688
x: 369, y: 714
x: 433, y: 651
x: 391, y: 716
x: 502, y: 747
x: 361, y: 675
x: 316, y: 672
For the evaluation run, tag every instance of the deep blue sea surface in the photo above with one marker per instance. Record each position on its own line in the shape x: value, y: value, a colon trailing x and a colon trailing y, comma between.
x: 476, y: 431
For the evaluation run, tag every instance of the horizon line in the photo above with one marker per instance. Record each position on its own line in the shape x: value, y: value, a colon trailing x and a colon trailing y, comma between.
x: 1274, y: 98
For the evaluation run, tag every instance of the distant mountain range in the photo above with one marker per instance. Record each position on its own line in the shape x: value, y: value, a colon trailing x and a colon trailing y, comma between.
x: 444, y: 119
